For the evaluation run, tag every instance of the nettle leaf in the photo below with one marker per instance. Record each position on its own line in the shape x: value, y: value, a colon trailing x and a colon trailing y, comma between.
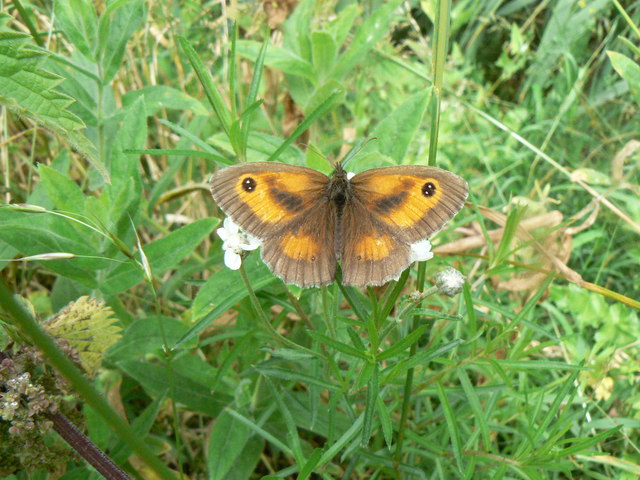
x: 26, y: 86
x: 28, y: 91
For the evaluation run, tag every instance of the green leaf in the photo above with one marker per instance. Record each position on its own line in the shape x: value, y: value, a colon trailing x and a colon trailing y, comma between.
x: 342, y: 441
x: 278, y: 58
x: 340, y: 26
x: 452, y: 426
x: 397, y: 130
x: 159, y: 97
x: 559, y: 41
x: 28, y: 90
x: 215, y: 99
x: 228, y: 439
x: 627, y: 69
x: 126, y: 188
x: 474, y: 402
x: 324, y: 92
x: 30, y: 86
x: 339, y: 346
x: 309, y: 467
x: 385, y: 421
x: 141, y: 426
x: 251, y: 103
x: 159, y: 379
x: 78, y: 21
x: 324, y: 51
x: 401, y: 345
x: 293, y: 436
x: 116, y: 27
x: 162, y: 255
x: 147, y: 336
x: 225, y: 288
x: 50, y: 233
x: 61, y: 190
x: 372, y: 30
x: 373, y: 391
x: 421, y: 358
x: 536, y: 365
x: 292, y: 375
x: 297, y: 28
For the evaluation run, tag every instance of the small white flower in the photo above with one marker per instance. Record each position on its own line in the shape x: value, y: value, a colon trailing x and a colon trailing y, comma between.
x: 234, y: 243
x: 421, y: 251
x: 450, y: 281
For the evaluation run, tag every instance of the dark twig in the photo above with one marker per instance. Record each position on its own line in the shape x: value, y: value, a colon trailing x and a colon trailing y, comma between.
x: 86, y: 448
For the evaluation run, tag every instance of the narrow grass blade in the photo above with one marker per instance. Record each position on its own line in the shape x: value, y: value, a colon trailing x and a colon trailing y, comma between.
x: 452, y: 426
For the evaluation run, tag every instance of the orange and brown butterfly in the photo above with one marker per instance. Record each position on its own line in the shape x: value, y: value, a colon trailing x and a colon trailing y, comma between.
x: 307, y: 222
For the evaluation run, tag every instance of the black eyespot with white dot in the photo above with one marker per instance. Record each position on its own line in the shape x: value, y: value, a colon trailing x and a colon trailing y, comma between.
x: 429, y: 189
x: 249, y: 184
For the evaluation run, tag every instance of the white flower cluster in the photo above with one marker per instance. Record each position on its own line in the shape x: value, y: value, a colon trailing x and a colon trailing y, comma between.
x: 234, y: 243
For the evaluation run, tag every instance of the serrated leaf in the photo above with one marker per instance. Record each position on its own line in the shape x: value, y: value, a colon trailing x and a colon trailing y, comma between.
x: 88, y: 325
x: 28, y: 90
x: 29, y: 86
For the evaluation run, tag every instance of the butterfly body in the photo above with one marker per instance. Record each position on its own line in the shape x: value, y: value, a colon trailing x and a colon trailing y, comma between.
x: 307, y: 221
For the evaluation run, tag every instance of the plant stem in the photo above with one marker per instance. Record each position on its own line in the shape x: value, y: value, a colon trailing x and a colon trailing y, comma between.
x: 86, y: 448
x: 265, y: 321
x: 408, y: 382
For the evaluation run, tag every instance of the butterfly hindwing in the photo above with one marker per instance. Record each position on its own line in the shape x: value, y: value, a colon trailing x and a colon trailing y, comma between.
x: 370, y: 252
x: 303, y: 253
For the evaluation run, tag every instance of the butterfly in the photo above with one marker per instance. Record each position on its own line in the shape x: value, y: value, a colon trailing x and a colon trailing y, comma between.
x: 307, y: 221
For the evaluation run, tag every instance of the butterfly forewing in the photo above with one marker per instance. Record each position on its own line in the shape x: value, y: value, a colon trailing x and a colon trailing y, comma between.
x: 415, y: 201
x: 263, y: 197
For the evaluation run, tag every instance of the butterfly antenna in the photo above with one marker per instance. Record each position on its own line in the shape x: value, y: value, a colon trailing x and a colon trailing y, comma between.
x: 357, y: 147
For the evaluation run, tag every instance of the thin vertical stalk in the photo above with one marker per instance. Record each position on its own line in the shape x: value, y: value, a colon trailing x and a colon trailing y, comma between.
x: 440, y: 38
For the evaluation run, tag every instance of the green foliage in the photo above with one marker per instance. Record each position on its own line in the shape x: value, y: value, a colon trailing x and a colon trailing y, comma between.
x: 531, y: 372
